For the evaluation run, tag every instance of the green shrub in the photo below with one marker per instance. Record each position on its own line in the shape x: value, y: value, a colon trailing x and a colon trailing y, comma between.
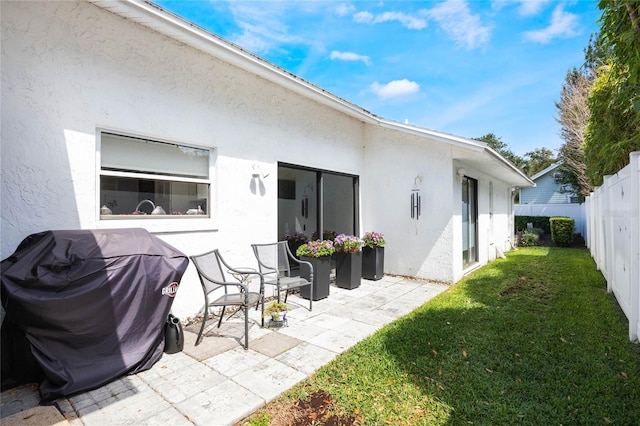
x: 541, y: 222
x: 538, y: 231
x: 562, y: 229
x: 529, y: 239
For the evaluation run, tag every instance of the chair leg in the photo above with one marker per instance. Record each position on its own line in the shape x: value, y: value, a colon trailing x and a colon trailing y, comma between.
x: 246, y: 327
x: 221, y: 316
x: 204, y: 320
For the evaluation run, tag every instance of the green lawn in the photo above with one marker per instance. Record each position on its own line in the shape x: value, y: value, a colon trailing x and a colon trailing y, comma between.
x: 530, y: 339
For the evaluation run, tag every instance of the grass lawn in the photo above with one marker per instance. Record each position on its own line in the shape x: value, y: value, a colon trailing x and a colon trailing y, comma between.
x: 530, y: 339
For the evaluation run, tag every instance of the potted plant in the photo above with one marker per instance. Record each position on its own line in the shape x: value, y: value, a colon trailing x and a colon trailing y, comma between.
x: 327, y: 234
x: 373, y: 256
x: 278, y: 312
x: 318, y: 253
x: 295, y: 240
x: 348, y: 258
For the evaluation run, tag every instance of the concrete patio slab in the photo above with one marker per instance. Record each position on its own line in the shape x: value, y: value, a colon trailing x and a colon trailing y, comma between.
x: 220, y: 383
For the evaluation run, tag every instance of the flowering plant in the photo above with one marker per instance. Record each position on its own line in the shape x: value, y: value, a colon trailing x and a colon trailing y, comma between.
x: 296, y: 238
x: 327, y: 234
x: 373, y: 239
x: 316, y: 248
x: 347, y: 243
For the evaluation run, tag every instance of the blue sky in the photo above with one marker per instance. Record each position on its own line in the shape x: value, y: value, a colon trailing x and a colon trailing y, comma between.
x: 462, y: 67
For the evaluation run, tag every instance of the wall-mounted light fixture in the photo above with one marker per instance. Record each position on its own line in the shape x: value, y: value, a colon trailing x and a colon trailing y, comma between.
x: 461, y: 172
x: 257, y: 172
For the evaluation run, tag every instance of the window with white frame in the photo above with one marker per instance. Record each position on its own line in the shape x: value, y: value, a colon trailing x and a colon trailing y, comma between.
x: 144, y: 178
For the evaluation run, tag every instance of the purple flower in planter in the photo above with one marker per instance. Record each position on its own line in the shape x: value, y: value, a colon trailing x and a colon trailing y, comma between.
x: 373, y: 239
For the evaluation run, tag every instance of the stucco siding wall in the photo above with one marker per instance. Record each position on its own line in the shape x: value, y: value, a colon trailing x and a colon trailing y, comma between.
x: 396, y: 164
x: 495, y: 220
x: 71, y: 68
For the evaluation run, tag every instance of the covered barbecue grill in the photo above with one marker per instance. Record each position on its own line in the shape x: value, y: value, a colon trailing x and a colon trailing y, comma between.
x: 86, y: 307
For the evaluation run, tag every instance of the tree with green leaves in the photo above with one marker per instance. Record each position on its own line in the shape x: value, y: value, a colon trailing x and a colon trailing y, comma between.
x: 533, y: 162
x: 538, y: 160
x: 502, y: 148
x: 613, y: 129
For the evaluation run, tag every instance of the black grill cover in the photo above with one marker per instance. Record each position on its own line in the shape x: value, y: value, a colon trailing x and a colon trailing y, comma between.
x: 91, y: 304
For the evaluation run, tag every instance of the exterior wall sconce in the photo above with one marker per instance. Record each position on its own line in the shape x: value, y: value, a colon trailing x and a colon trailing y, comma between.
x: 461, y: 172
x: 257, y: 172
x: 415, y: 204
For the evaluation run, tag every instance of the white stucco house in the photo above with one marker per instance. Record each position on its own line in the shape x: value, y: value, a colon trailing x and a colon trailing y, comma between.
x: 107, y: 104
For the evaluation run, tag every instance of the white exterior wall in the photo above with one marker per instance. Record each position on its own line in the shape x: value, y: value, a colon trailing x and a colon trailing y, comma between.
x: 66, y: 72
x: 495, y: 219
x: 396, y: 163
x: 70, y: 69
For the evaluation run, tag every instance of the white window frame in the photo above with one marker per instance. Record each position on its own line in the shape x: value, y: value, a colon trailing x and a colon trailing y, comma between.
x: 181, y: 223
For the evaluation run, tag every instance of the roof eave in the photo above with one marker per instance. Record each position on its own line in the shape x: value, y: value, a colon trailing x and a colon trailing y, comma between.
x: 158, y: 19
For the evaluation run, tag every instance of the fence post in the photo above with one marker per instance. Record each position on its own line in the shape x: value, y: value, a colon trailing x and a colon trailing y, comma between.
x: 634, y: 273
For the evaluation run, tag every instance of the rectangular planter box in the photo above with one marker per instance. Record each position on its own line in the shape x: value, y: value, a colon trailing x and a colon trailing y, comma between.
x: 321, y: 274
x: 348, y: 269
x: 372, y: 263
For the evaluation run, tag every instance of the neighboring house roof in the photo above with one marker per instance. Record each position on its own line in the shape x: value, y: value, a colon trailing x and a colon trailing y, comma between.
x: 545, y: 171
x: 475, y: 153
x: 546, y: 191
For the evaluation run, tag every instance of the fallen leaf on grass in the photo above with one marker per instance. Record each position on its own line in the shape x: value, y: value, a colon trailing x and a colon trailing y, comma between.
x: 563, y: 340
x: 464, y: 354
x: 418, y: 410
x: 607, y: 420
x: 313, y: 416
x: 489, y: 371
x: 625, y: 375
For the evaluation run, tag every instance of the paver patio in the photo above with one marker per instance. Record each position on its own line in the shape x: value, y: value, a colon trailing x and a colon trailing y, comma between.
x: 218, y: 382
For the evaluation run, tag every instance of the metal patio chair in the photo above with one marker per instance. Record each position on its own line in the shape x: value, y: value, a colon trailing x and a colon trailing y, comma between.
x: 274, y: 263
x: 211, y: 270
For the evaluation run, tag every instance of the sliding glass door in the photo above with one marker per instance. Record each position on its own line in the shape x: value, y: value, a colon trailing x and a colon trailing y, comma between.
x: 469, y: 220
x: 311, y: 201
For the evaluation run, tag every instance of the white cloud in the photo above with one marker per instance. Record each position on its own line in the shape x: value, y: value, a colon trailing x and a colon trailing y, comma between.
x: 408, y: 21
x: 263, y: 27
x: 344, y: 9
x: 395, y: 88
x: 363, y: 17
x: 531, y: 8
x: 563, y: 24
x: 349, y: 56
x: 464, y: 28
x: 525, y: 8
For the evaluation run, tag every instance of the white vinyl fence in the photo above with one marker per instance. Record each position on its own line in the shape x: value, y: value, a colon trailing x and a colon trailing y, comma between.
x: 613, y: 230
x: 574, y: 211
